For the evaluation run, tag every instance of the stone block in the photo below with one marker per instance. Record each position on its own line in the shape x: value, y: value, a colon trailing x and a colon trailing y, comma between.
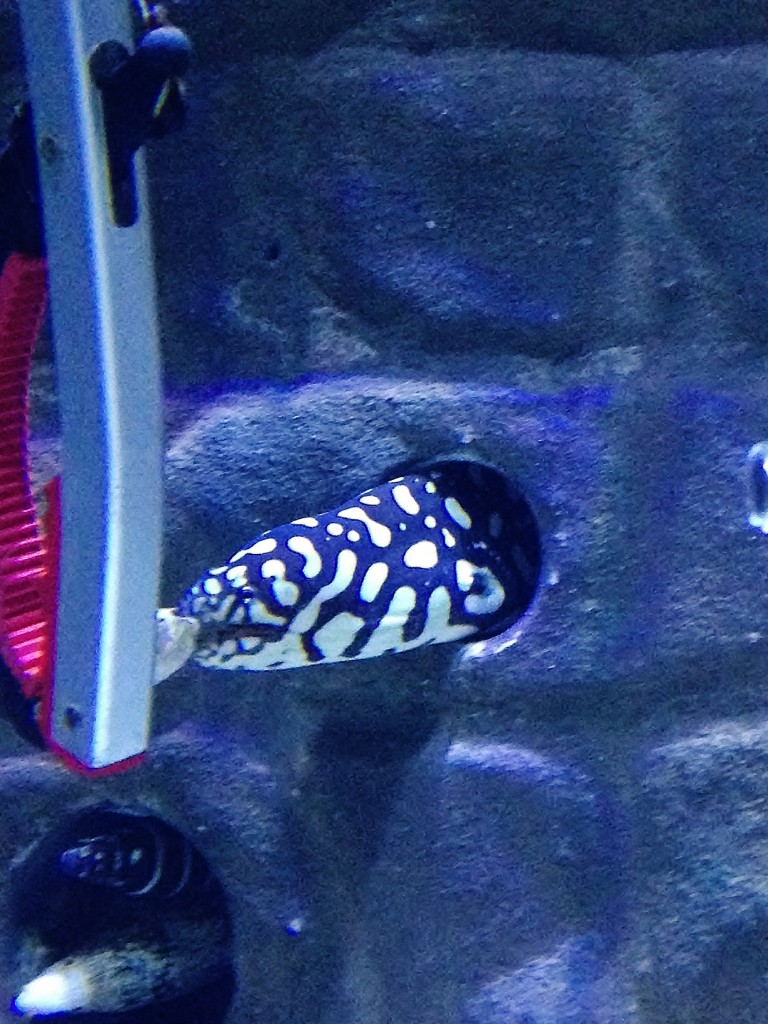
x: 490, y: 897
x: 468, y: 202
x: 713, y: 152
x: 703, y: 903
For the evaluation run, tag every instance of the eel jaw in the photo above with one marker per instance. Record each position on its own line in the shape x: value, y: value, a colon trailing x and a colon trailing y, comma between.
x: 176, y: 640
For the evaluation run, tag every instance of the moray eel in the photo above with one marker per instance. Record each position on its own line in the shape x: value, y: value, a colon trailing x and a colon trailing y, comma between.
x: 445, y: 554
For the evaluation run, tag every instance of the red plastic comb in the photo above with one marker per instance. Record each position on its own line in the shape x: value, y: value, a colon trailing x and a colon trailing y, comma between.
x: 28, y: 547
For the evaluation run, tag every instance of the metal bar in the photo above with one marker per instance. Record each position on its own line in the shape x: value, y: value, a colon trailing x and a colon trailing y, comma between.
x: 105, y: 335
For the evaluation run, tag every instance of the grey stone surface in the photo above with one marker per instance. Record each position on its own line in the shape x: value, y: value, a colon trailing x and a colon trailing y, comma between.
x: 704, y: 800
x: 715, y: 104
x: 572, y: 26
x: 570, y: 985
x: 496, y: 903
x: 609, y: 27
x: 444, y: 202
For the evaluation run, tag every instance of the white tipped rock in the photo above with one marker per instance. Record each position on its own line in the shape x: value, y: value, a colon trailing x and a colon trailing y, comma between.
x: 59, y: 990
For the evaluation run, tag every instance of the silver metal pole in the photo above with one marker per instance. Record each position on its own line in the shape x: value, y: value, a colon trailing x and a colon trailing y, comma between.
x: 105, y: 335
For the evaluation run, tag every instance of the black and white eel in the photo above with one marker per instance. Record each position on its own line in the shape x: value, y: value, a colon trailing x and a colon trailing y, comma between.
x: 443, y: 554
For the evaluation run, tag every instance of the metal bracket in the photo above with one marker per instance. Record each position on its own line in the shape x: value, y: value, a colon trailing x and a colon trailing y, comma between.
x: 104, y: 324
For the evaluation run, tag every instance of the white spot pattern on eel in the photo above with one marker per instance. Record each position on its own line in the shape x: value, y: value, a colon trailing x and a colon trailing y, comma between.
x: 421, y: 555
x: 405, y: 499
x: 313, y: 563
x: 443, y: 555
x: 286, y: 591
x: 373, y: 581
x: 380, y: 534
x: 457, y: 513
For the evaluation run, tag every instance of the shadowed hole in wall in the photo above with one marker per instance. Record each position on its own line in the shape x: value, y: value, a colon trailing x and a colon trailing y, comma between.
x: 117, y: 916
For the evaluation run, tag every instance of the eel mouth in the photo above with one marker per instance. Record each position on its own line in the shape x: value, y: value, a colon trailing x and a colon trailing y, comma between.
x: 214, y: 634
x: 213, y: 638
x: 180, y: 638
